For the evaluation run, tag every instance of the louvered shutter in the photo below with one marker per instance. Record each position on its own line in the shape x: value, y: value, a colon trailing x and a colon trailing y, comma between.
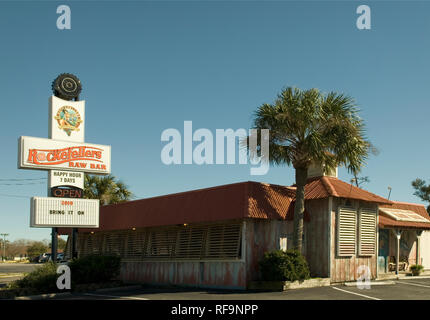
x: 195, y: 242
x: 346, y: 232
x: 367, y: 232
x: 190, y: 243
x: 223, y: 241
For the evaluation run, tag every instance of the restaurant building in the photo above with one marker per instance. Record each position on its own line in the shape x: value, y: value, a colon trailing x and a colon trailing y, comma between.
x: 215, y: 237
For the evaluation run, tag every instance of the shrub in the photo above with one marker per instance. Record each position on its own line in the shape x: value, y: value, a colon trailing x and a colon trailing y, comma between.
x: 94, y: 268
x: 89, y: 269
x: 43, y: 279
x: 284, y: 266
x: 416, y: 269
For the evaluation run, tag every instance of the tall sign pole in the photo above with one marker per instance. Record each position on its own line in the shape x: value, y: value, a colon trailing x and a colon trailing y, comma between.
x: 66, y: 119
x: 67, y: 158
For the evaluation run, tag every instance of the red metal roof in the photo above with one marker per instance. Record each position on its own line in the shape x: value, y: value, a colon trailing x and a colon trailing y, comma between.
x: 228, y: 202
x: 386, y: 222
x: 269, y: 201
x: 323, y: 187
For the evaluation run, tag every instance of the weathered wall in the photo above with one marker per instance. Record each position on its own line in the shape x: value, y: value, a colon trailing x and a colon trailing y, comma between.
x: 258, y: 236
x: 317, y: 237
x: 425, y: 249
x: 345, y: 268
x: 261, y: 236
x: 228, y: 273
x: 208, y: 274
x: 264, y: 235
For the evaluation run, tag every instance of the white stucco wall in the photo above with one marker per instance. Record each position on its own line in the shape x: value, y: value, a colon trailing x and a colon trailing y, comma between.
x: 425, y: 249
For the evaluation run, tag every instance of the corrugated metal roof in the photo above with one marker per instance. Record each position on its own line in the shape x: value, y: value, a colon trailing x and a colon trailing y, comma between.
x: 323, y: 187
x: 386, y: 221
x: 204, y: 205
x: 268, y: 201
x: 228, y: 202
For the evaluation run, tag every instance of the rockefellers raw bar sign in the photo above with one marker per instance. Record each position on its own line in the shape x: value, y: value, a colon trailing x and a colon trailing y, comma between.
x: 38, y: 153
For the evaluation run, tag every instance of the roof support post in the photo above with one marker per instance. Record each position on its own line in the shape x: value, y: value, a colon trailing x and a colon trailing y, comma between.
x: 330, y: 209
x: 74, y: 238
x: 418, y: 232
x: 398, y: 234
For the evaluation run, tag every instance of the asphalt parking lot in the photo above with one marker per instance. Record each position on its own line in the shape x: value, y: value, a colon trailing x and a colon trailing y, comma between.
x: 411, y: 289
x: 405, y: 289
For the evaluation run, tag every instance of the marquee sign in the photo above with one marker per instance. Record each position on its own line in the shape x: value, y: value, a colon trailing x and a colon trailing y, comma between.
x: 64, y: 212
x: 46, y: 154
x: 66, y: 120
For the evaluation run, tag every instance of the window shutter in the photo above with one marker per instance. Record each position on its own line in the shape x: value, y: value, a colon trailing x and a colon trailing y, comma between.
x: 367, y: 232
x: 346, y: 232
x: 193, y: 242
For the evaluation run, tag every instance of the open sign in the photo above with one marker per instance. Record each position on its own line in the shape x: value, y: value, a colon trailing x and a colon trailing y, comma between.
x: 67, y: 192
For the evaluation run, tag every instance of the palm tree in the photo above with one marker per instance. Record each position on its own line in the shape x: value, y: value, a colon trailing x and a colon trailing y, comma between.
x: 309, y: 127
x: 107, y: 189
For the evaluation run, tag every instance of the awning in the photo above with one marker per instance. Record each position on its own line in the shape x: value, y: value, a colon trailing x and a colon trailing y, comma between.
x: 404, y: 215
x: 402, y: 218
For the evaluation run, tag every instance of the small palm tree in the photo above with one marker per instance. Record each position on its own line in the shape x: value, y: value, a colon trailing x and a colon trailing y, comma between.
x: 309, y: 127
x: 107, y: 189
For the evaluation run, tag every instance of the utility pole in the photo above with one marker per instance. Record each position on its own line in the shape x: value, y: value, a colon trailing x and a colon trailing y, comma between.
x: 4, y: 235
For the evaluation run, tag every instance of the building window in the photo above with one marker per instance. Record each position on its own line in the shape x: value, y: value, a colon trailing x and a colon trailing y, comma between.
x: 346, y: 232
x: 367, y: 232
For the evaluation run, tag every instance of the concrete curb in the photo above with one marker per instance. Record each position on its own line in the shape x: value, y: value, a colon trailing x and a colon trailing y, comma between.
x: 403, y: 278
x: 119, y: 288
x: 288, y: 285
x: 414, y: 277
x: 372, y: 283
x: 68, y: 294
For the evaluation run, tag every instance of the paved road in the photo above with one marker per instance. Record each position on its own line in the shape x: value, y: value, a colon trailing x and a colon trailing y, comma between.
x: 414, y: 289
x: 14, y: 271
x: 17, y: 267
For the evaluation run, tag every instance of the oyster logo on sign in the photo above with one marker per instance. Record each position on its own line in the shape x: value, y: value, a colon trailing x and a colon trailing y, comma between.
x: 68, y: 119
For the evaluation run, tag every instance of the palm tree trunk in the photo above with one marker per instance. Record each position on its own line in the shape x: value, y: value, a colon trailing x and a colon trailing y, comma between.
x: 299, y: 208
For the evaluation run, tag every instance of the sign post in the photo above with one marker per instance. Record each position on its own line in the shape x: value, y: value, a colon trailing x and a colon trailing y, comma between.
x: 67, y: 158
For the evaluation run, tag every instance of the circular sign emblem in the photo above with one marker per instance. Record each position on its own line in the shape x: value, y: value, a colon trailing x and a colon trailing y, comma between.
x: 67, y: 86
x: 68, y: 119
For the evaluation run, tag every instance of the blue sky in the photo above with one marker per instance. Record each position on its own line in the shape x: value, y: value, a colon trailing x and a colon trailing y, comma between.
x: 147, y: 66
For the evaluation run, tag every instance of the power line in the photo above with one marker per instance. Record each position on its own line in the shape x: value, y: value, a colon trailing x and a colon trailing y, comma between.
x: 13, y: 195
x: 20, y: 184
